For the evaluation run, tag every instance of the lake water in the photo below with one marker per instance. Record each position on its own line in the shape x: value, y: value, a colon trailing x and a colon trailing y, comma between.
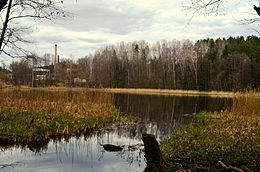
x: 159, y: 115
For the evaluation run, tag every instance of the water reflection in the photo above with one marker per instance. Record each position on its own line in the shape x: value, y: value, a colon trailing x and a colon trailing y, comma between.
x: 159, y: 115
x: 77, y: 154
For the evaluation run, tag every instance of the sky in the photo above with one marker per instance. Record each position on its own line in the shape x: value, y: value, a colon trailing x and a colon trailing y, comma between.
x: 97, y: 23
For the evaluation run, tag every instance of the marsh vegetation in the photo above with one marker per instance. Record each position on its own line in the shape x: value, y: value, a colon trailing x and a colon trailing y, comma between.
x: 215, y: 140
x: 45, y: 122
x: 34, y: 115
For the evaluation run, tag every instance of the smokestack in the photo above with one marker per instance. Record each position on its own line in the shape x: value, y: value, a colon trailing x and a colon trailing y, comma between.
x: 55, y: 55
x: 58, y: 59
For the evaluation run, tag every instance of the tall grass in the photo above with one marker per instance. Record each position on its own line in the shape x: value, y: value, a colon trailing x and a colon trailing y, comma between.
x: 247, y: 105
x: 243, y: 120
x: 77, y: 103
x: 29, y: 115
x: 232, y: 137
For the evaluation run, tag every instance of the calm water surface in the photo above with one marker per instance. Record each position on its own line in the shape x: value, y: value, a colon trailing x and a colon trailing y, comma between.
x: 159, y: 115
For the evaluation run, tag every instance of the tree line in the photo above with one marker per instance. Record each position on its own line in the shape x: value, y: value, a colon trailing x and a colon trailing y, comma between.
x: 231, y: 64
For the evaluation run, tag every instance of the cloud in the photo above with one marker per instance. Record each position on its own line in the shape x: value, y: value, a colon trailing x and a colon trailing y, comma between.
x: 92, y: 40
x: 107, y: 17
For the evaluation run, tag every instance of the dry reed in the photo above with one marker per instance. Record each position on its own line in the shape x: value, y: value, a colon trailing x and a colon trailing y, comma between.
x: 232, y: 137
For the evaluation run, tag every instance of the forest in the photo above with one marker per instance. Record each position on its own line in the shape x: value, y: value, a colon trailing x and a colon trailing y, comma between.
x: 231, y: 64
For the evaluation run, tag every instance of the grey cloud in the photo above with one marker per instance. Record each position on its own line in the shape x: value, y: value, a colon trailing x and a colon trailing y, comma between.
x: 53, y: 38
x: 92, y: 40
x: 119, y: 19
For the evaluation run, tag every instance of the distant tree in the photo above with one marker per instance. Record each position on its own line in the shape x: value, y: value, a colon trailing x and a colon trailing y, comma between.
x: 4, y: 74
x: 21, y: 72
x: 231, y: 64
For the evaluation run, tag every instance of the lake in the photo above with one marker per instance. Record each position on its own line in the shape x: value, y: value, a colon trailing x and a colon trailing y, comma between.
x: 159, y: 115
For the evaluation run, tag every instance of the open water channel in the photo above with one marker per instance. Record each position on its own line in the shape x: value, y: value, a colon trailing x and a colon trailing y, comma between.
x: 159, y: 115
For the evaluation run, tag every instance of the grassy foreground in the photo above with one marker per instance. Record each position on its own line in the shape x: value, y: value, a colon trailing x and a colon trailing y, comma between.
x: 229, y: 140
x: 35, y: 115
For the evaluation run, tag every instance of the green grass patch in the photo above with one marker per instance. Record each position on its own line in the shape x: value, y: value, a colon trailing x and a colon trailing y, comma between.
x: 232, y: 137
x: 25, y: 126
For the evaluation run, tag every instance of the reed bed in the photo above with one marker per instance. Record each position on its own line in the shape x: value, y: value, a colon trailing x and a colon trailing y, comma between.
x: 219, y: 141
x: 76, y: 103
x: 28, y: 115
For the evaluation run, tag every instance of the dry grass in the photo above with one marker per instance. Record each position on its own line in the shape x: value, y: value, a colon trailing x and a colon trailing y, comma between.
x: 168, y: 92
x: 29, y: 115
x: 244, y: 117
x: 76, y: 103
x: 231, y: 136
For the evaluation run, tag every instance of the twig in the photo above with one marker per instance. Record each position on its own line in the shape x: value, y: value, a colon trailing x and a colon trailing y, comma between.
x: 230, y: 167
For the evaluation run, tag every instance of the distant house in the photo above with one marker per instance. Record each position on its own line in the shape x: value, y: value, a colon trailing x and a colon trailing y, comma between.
x: 41, y: 76
x: 79, y: 81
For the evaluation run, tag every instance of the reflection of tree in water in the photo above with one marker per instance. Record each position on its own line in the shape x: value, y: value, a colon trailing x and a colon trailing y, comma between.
x: 160, y: 115
x: 33, y: 145
x: 89, y: 147
x: 9, y: 166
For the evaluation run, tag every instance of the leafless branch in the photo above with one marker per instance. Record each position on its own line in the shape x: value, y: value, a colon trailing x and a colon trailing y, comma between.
x: 205, y: 6
x: 31, y: 9
x: 250, y: 21
x: 11, y: 55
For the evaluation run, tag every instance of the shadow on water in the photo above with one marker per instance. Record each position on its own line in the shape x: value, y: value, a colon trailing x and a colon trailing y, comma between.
x: 159, y: 115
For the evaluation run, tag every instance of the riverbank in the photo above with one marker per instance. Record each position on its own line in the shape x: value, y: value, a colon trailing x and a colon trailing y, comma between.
x: 140, y: 91
x: 218, y: 141
x: 35, y: 115
x: 168, y: 92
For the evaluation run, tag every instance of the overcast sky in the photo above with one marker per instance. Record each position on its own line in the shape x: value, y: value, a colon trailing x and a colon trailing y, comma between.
x: 97, y: 23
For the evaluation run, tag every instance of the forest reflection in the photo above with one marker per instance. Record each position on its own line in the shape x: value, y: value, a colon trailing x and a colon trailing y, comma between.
x: 84, y: 153
x: 160, y: 115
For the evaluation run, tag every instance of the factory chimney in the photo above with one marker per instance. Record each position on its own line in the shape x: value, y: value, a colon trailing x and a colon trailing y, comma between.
x: 55, y: 54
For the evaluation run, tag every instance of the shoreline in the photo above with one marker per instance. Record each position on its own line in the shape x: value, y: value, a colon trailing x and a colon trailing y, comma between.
x: 168, y: 92
x: 140, y: 91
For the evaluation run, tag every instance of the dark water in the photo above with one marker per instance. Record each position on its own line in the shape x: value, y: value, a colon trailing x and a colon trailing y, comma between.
x: 159, y: 115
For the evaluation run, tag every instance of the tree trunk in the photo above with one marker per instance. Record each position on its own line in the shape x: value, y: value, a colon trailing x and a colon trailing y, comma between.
x: 153, y: 153
x: 5, y: 25
x: 2, y: 4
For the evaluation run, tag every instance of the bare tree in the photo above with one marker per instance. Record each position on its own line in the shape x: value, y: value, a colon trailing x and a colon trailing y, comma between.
x: 209, y: 7
x: 12, y: 31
